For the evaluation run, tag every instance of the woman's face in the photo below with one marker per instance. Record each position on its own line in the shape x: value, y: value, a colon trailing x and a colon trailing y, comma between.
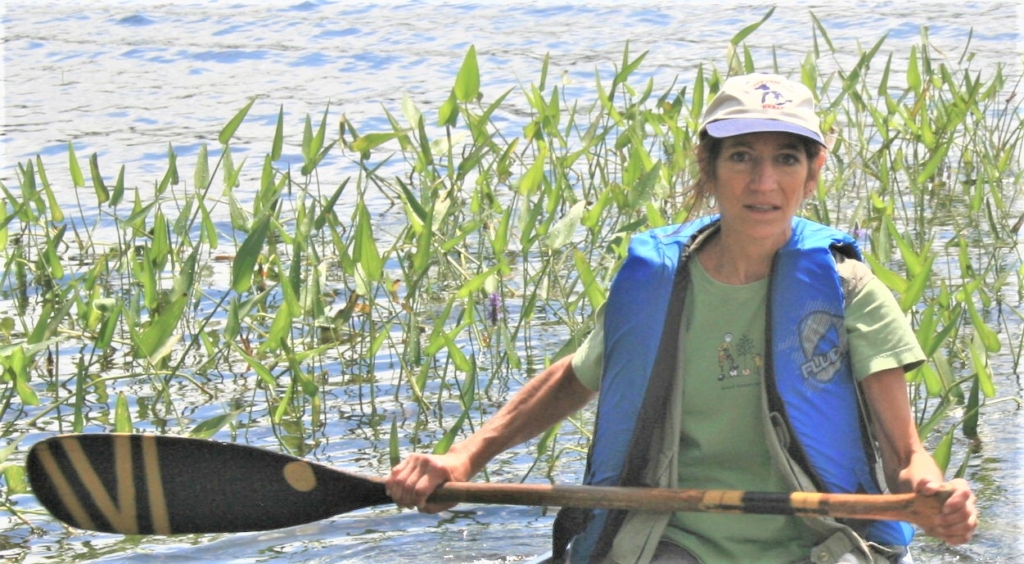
x: 760, y: 181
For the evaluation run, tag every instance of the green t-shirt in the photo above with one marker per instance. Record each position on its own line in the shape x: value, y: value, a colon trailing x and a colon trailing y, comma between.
x: 722, y: 436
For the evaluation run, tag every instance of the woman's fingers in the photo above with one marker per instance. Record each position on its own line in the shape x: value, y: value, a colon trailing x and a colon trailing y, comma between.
x: 413, y: 480
x: 959, y: 516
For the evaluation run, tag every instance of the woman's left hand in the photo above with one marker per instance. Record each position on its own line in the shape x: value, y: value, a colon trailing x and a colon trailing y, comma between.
x: 959, y: 517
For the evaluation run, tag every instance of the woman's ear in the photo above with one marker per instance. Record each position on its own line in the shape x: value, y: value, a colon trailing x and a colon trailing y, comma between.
x: 814, y: 173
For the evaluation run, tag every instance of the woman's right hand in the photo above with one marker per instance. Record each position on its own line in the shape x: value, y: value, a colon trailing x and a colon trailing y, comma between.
x: 544, y: 400
x: 413, y: 480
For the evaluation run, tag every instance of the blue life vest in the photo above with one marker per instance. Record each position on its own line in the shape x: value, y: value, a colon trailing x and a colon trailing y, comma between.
x: 808, y: 380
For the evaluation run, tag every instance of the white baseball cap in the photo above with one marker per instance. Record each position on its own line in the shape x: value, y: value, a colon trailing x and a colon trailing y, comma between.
x: 754, y: 103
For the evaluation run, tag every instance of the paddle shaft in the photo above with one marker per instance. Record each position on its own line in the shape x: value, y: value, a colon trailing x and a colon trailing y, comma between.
x: 913, y: 508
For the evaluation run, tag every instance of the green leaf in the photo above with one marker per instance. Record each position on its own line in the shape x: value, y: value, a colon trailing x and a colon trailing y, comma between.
x: 448, y: 113
x: 15, y: 480
x: 970, y: 427
x: 312, y: 294
x: 107, y: 329
x: 628, y: 67
x: 231, y: 172
x: 278, y: 145
x: 643, y: 190
x: 544, y: 443
x: 365, y: 252
x: 4, y: 221
x: 377, y: 342
x: 914, y: 72
x: 280, y: 329
x: 562, y: 232
x: 229, y: 130
x: 208, y: 428
x: 283, y: 406
x: 448, y: 439
x: 944, y: 451
x: 208, y: 229
x: 932, y: 381
x: 53, y: 258
x: 370, y: 141
x: 7, y: 326
x: 595, y: 294
x: 102, y: 194
x: 499, y: 241
x: 745, y: 32
x: 307, y: 138
x: 824, y: 35
x: 456, y: 355
x: 394, y: 456
x: 313, y: 150
x: 986, y: 334
x: 122, y: 416
x: 476, y: 282
x: 328, y: 208
x: 261, y: 370
x: 467, y: 391
x: 310, y: 166
x: 11, y: 447
x: 911, y: 296
x: 544, y: 72
x: 118, y: 194
x: 159, y: 338
x: 934, y: 162
x: 312, y: 143
x: 248, y: 253
x: 928, y: 334
x: 268, y: 188
x: 535, y: 174
x: 467, y: 83
x: 979, y: 359
x: 421, y: 214
x: 201, y: 176
x: 171, y: 176
x: 56, y: 215
x: 76, y: 172
x: 892, y: 280
x: 961, y: 471
x: 916, y: 265
x: 27, y: 177
x: 17, y: 364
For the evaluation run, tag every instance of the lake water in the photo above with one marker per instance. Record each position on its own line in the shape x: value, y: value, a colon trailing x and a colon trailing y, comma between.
x: 125, y: 79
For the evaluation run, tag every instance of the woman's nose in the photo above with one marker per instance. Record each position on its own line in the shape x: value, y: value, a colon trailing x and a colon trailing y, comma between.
x: 762, y: 175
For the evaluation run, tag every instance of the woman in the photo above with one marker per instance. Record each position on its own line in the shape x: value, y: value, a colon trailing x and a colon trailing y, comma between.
x: 734, y: 352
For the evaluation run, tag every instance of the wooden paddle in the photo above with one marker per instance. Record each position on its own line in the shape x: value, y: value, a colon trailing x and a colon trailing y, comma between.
x: 148, y: 484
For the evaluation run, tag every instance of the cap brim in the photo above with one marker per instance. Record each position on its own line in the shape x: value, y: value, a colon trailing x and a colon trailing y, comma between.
x: 741, y: 126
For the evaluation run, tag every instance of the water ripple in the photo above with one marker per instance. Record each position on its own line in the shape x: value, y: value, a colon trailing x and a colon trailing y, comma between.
x: 137, y: 20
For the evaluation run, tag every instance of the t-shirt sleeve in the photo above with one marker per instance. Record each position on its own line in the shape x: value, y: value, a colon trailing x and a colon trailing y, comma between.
x: 880, y: 337
x: 588, y: 360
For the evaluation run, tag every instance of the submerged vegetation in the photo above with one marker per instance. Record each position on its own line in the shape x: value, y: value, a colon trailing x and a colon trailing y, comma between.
x: 459, y: 254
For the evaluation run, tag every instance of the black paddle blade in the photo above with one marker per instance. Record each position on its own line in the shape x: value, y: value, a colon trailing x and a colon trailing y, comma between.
x: 148, y: 484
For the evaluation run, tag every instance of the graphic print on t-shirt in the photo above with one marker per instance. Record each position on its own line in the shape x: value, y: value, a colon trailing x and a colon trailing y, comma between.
x: 738, y: 358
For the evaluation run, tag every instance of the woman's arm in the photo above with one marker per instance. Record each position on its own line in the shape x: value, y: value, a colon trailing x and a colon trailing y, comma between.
x: 908, y: 466
x: 546, y: 399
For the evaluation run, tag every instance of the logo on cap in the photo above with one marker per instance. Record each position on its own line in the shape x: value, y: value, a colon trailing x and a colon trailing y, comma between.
x: 771, y: 99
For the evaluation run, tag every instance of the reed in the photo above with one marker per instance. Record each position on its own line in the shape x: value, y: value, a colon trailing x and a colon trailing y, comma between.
x: 460, y: 254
